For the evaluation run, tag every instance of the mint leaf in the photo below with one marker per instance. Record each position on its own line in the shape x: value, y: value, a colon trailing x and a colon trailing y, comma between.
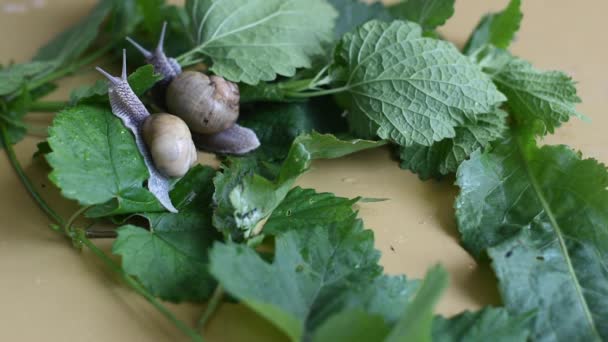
x: 94, y: 157
x: 444, y: 157
x: 409, y: 89
x: 548, y: 96
x: 15, y: 76
x: 141, y: 80
x: 428, y: 13
x: 244, y: 198
x: 540, y: 214
x: 318, y: 270
x: 493, y: 324
x: 255, y: 40
x: 352, y: 13
x: 171, y: 259
x: 496, y: 29
x: 70, y: 44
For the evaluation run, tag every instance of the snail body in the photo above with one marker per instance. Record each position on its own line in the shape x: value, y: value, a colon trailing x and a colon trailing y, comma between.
x: 208, y: 104
x: 170, y: 143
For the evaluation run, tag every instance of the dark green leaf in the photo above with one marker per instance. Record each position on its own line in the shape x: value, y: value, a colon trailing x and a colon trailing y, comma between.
x: 444, y: 157
x: 171, y: 259
x: 153, y: 14
x: 94, y: 157
x: 427, y: 13
x: 496, y: 29
x: 548, y: 96
x: 541, y: 215
x: 352, y: 326
x: 70, y: 44
x: 489, y: 324
x: 255, y: 40
x: 352, y: 13
x: 15, y: 76
x: 409, y: 89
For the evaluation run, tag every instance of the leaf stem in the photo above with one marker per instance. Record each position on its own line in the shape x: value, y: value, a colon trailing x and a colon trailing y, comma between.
x: 47, y: 106
x: 212, y: 306
x: 309, y: 94
x: 81, y: 235
x: 25, y: 180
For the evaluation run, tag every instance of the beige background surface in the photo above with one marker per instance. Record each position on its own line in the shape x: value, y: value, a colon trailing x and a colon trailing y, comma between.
x: 49, y: 291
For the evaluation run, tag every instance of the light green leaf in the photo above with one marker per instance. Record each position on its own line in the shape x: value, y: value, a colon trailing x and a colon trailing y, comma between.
x: 489, y: 324
x: 427, y: 13
x: 255, y: 40
x: 541, y: 213
x: 444, y: 157
x: 94, y: 157
x: 352, y: 13
x: 171, y: 259
x: 15, y: 76
x: 319, y: 270
x: 352, y: 326
x: 140, y: 81
x: 246, y: 198
x: 409, y: 89
x: 496, y: 29
x: 70, y: 44
x: 548, y: 96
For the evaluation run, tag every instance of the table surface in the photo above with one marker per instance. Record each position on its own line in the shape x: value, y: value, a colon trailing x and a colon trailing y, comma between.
x: 50, y: 291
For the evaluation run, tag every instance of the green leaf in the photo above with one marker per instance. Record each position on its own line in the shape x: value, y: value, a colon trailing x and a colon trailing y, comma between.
x: 255, y: 40
x: 16, y: 76
x: 70, y: 44
x: 318, y: 270
x: 489, y: 324
x: 278, y: 125
x: 94, y: 157
x: 352, y: 13
x: 541, y: 213
x: 244, y: 198
x: 352, y: 326
x: 427, y: 13
x: 496, y: 29
x: 444, y: 157
x: 409, y: 89
x: 171, y: 259
x: 140, y: 80
x: 415, y: 323
x: 548, y: 96
x: 153, y: 14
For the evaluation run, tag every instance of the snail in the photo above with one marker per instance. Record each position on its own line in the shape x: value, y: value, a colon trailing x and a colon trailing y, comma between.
x: 208, y: 104
x: 170, y: 143
x: 127, y: 106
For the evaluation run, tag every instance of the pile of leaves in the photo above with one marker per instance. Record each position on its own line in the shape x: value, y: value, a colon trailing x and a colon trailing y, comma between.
x: 323, y: 79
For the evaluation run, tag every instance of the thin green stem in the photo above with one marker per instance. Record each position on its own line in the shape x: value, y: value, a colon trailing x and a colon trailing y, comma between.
x: 67, y: 229
x: 138, y: 288
x: 25, y: 180
x: 212, y: 305
x: 184, y: 59
x: 309, y: 94
x: 47, y: 106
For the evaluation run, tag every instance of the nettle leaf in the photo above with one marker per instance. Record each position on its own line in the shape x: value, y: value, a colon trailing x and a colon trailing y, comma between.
x: 352, y: 13
x: 541, y: 213
x: 496, y: 29
x: 70, y: 44
x: 548, y: 96
x: 171, y: 259
x: 94, y: 157
x: 141, y: 80
x: 16, y: 76
x: 318, y: 270
x: 489, y: 324
x: 428, y: 13
x: 409, y: 89
x: 245, y: 198
x: 278, y: 125
x: 255, y: 40
x: 444, y: 157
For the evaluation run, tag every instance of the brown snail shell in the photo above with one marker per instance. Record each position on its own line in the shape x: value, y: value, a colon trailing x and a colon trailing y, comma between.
x: 170, y: 143
x: 207, y: 104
